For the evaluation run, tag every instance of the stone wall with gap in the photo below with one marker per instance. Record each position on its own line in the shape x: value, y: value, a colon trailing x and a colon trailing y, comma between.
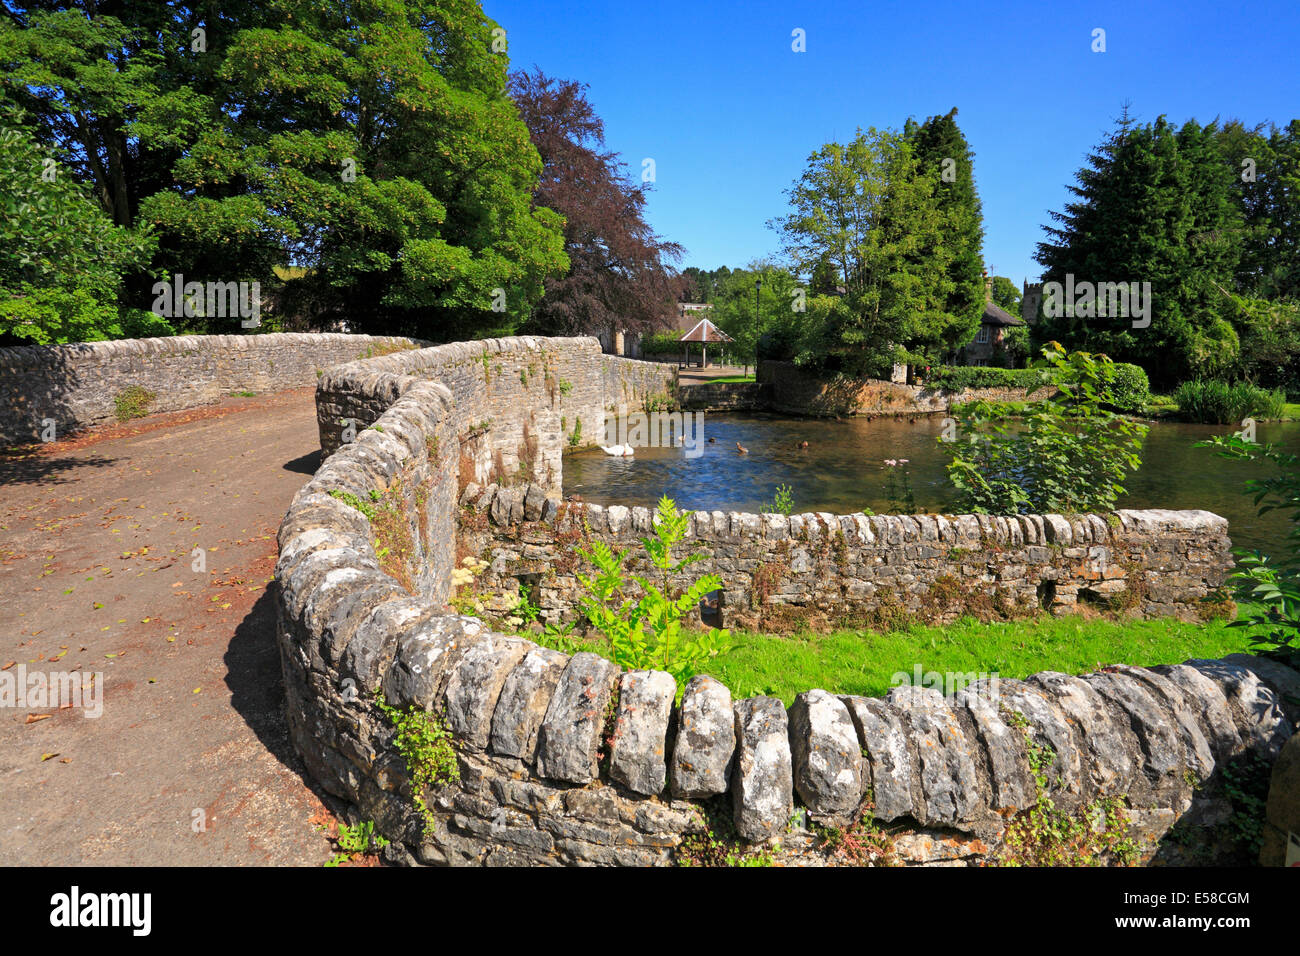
x: 76, y: 385
x: 565, y: 760
x: 824, y: 571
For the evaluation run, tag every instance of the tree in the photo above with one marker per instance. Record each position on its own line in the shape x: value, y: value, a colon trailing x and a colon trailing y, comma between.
x: 1006, y: 296
x: 1265, y: 173
x: 371, y: 146
x: 618, y: 275
x: 942, y: 152
x: 1153, y: 205
x: 747, y: 316
x: 702, y: 284
x: 61, y: 257
x: 867, y: 215
x: 1068, y: 454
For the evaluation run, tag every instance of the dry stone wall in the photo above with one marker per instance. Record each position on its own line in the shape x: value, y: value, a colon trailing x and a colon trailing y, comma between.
x: 564, y: 759
x: 76, y: 385
x: 781, y: 571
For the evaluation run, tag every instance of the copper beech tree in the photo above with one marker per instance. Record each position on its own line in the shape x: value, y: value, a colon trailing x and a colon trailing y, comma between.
x: 620, y: 275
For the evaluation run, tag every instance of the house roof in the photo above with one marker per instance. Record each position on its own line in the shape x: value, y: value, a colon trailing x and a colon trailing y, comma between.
x: 705, y: 331
x: 995, y: 315
x: 686, y: 315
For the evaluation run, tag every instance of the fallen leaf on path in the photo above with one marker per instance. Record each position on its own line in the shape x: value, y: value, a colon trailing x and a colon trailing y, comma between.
x: 32, y: 718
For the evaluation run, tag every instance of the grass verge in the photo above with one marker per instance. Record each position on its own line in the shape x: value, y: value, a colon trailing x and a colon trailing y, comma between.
x: 865, y: 662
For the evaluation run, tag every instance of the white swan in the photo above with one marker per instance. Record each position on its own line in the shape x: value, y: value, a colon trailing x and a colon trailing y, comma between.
x: 617, y: 450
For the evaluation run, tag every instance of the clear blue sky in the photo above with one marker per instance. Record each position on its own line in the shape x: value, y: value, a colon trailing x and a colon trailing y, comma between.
x: 714, y: 94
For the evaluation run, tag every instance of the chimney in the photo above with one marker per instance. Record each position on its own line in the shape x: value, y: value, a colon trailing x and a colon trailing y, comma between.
x: 988, y: 287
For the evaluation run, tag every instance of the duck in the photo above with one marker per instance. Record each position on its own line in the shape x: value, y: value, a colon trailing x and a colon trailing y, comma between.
x: 617, y: 450
x: 803, y: 444
x: 712, y: 440
x: 741, y: 449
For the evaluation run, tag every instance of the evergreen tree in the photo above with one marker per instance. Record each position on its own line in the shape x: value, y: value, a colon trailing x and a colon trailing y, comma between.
x: 1152, y: 205
x: 942, y: 151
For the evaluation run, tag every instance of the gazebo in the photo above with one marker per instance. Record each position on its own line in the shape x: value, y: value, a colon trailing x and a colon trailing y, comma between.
x: 703, y: 332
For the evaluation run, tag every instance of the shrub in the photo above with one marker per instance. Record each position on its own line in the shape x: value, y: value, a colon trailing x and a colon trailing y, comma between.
x: 661, y: 343
x: 646, y: 633
x: 1130, y: 387
x: 1069, y: 453
x: 957, y: 377
x: 1213, y: 402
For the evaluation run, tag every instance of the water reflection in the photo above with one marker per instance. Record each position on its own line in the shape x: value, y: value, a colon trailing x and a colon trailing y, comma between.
x: 842, y: 470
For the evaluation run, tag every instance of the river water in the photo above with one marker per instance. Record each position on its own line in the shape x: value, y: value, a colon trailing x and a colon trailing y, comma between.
x: 842, y: 470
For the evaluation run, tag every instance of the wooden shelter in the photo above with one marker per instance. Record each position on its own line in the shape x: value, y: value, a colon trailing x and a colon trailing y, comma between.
x: 704, y: 332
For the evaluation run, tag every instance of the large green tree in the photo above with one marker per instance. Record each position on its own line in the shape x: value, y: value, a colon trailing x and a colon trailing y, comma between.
x: 866, y: 217
x: 1153, y: 205
x: 369, y: 143
x: 61, y: 257
x: 747, y: 313
x: 942, y: 151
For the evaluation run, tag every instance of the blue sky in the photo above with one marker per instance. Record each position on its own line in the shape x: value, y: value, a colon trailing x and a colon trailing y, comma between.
x: 714, y: 94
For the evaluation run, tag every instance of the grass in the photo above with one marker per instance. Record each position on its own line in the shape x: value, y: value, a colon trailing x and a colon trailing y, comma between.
x: 865, y: 662
x: 725, y: 379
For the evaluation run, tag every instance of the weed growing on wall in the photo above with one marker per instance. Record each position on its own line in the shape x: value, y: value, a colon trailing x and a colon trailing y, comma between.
x: 425, y: 743
x: 1246, y: 783
x: 715, y: 842
x: 647, y: 633
x: 782, y: 502
x: 1045, y: 835
x: 133, y: 402
x: 865, y: 843
x: 357, y: 841
x: 391, y: 537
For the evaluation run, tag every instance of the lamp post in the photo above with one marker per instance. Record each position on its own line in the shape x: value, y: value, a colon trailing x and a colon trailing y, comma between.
x: 758, y: 284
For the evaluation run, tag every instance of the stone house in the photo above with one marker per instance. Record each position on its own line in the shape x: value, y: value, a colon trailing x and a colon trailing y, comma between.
x: 993, y: 325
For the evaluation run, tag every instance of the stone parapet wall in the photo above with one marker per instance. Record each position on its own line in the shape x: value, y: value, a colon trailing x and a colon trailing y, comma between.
x: 519, y: 402
x: 724, y: 396
x: 564, y: 759
x: 76, y: 385
x: 825, y: 570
